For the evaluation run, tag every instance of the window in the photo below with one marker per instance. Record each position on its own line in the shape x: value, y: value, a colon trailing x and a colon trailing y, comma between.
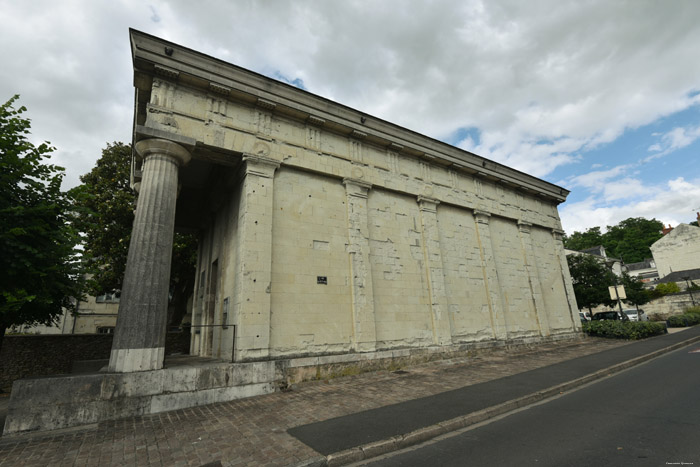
x: 105, y: 330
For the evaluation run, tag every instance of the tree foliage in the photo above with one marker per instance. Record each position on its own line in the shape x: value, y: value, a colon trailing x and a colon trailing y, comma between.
x: 591, y: 280
x: 581, y: 240
x: 106, y: 203
x: 666, y: 288
x: 634, y: 289
x: 629, y: 240
x: 39, y: 267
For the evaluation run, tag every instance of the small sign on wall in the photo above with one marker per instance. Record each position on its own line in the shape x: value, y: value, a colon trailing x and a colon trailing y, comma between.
x: 323, y: 280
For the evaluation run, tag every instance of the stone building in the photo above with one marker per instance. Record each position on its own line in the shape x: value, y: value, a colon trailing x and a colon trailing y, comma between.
x: 329, y: 239
x: 324, y: 230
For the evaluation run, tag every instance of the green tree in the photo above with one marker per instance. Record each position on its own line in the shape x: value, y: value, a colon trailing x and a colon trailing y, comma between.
x: 634, y: 289
x: 591, y: 280
x: 39, y: 268
x: 631, y: 238
x: 581, y: 240
x: 666, y: 288
x: 106, y: 204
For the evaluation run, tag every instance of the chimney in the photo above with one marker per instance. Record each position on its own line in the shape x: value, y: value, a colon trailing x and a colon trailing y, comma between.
x: 666, y: 229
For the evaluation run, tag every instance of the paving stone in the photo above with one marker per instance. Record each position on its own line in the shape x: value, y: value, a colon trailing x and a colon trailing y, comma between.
x: 254, y: 431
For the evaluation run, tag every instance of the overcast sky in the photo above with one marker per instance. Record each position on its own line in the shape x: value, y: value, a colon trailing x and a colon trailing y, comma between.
x: 600, y: 97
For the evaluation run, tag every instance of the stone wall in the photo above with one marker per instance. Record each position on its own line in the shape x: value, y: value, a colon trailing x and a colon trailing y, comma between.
x: 671, y: 304
x: 44, y: 355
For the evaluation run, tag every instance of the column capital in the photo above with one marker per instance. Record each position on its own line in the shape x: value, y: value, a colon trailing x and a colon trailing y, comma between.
x: 148, y: 147
x: 482, y: 217
x: 262, y: 166
x: 524, y: 227
x: 356, y: 187
x: 427, y: 204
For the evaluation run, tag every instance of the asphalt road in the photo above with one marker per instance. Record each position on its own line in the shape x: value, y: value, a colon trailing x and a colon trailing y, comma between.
x: 646, y: 416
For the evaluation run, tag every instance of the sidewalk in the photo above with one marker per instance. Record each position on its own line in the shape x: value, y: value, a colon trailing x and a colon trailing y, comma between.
x: 328, y: 421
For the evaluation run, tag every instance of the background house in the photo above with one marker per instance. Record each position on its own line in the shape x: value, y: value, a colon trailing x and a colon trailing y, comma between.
x: 678, y: 251
x: 94, y: 315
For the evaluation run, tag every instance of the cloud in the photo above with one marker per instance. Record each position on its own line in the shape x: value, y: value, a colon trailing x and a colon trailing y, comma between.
x: 539, y: 84
x: 673, y: 140
x: 673, y: 202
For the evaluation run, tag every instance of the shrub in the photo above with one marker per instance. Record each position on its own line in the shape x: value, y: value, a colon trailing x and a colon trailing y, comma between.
x: 686, y: 319
x: 667, y: 288
x: 624, y: 330
x: 693, y: 309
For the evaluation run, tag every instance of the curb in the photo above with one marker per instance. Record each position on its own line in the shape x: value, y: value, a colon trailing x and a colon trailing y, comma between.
x: 396, y: 443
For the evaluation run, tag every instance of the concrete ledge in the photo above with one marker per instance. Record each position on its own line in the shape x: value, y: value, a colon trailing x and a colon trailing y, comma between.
x: 67, y: 401
x: 307, y: 368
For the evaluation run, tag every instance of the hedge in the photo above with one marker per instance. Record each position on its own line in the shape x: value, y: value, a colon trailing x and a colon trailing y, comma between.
x: 624, y: 330
x: 689, y: 318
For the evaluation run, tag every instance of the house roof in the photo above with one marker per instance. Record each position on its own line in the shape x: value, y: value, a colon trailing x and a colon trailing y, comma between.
x: 646, y: 264
x: 680, y: 276
x: 596, y: 250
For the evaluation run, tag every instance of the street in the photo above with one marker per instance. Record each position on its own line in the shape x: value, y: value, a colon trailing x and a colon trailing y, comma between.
x: 648, y: 415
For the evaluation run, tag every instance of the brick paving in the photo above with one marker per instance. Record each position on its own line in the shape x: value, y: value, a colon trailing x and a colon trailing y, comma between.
x: 253, y: 431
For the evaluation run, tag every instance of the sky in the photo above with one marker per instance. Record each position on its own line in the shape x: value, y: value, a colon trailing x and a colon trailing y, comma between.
x: 600, y: 97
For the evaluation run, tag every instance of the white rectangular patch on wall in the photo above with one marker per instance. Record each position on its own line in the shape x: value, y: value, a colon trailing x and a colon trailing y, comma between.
x: 321, y: 245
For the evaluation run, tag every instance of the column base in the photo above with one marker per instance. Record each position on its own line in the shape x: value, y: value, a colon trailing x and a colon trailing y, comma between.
x: 130, y: 360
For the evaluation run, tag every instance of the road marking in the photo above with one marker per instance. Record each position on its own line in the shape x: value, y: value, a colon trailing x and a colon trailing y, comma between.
x: 695, y: 350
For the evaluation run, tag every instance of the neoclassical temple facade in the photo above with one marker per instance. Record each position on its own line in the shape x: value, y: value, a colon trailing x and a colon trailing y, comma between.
x: 324, y: 230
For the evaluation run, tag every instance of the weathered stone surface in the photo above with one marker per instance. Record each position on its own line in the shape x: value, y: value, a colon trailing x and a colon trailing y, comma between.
x: 66, y: 401
x: 345, y: 234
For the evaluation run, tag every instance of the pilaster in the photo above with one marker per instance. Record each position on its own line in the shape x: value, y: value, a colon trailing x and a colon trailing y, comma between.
x: 442, y: 332
x: 254, y: 258
x: 491, y: 281
x: 364, y: 338
x: 139, y: 339
x: 533, y: 277
x: 558, y: 236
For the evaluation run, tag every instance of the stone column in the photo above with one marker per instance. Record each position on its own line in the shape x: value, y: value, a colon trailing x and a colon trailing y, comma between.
x: 533, y: 277
x: 491, y: 281
x: 364, y: 338
x: 566, y: 278
x: 254, y: 258
x: 442, y: 331
x: 139, y: 338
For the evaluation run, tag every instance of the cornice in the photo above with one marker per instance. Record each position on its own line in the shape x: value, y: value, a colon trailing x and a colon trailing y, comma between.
x: 152, y: 55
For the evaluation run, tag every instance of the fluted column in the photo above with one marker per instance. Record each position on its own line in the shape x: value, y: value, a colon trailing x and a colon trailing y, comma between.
x: 139, y: 338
